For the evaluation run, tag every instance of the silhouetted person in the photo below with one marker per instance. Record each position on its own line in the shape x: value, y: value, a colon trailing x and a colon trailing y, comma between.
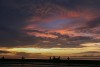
x: 50, y: 58
x: 23, y: 61
x: 68, y: 58
x: 3, y: 57
x: 23, y: 58
x: 54, y: 58
x: 59, y: 58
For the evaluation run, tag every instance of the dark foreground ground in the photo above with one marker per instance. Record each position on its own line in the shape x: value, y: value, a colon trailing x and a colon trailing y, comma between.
x: 48, y: 63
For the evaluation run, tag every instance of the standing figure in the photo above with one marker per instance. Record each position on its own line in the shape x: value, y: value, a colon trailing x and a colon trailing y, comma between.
x: 68, y: 58
x: 23, y: 58
x: 50, y: 58
x: 68, y: 61
x: 3, y: 57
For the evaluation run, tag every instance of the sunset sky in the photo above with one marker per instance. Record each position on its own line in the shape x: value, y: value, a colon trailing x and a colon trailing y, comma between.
x: 44, y: 28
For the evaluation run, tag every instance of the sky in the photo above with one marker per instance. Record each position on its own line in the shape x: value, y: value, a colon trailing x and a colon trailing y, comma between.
x: 44, y: 28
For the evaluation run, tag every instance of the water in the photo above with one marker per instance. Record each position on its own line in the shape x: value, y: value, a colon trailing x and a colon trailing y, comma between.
x: 45, y: 65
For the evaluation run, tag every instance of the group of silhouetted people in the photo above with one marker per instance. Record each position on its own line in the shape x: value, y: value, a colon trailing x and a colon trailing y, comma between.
x: 57, y: 58
x: 51, y: 58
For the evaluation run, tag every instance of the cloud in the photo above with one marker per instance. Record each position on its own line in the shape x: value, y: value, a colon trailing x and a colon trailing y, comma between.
x: 61, y: 40
x: 91, y: 26
x: 30, y: 55
x: 92, y: 52
x: 27, y: 54
x: 42, y: 17
x: 64, y: 41
x: 4, y: 52
x: 94, y: 23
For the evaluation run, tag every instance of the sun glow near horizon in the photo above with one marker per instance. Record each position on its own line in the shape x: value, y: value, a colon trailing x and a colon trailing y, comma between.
x: 59, y: 51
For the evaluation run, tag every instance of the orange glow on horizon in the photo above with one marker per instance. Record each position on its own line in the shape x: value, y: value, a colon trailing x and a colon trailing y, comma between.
x: 58, y: 51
